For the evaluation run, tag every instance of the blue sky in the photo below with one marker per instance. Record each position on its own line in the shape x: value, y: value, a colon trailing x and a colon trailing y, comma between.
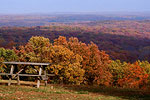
x: 51, y: 6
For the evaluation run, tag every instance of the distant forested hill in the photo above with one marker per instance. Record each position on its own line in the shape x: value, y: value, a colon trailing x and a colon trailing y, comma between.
x: 124, y: 40
x: 47, y: 19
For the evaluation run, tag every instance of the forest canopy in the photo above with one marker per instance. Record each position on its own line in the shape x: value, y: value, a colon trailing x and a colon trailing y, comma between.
x: 124, y: 40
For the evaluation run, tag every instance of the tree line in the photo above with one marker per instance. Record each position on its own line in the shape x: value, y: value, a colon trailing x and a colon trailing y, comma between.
x: 75, y: 62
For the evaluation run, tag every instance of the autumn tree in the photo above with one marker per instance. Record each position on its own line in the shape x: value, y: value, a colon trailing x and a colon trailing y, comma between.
x: 36, y: 50
x: 95, y: 62
x: 135, y: 77
x: 118, y: 70
x: 7, y: 55
x: 66, y: 65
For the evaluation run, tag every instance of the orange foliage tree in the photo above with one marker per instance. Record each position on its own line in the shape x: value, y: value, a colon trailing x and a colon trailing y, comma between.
x: 135, y: 77
x: 95, y: 62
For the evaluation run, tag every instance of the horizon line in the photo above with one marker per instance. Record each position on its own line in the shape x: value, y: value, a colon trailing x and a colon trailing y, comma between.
x: 102, y: 12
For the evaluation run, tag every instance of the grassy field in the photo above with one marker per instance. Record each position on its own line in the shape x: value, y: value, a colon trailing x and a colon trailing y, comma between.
x: 68, y: 92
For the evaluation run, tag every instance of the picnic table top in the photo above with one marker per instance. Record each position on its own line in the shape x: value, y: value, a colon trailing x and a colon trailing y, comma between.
x: 27, y: 63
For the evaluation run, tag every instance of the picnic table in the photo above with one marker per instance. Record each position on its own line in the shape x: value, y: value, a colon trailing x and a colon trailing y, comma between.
x: 18, y: 74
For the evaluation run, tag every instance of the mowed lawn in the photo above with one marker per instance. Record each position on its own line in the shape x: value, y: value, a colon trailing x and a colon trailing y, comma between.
x: 27, y: 91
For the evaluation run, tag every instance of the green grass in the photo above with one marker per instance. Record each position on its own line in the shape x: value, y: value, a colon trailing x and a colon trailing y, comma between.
x: 70, y: 92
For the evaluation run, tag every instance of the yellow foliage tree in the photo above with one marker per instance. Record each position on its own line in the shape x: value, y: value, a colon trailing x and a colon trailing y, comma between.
x: 36, y: 50
x: 66, y: 65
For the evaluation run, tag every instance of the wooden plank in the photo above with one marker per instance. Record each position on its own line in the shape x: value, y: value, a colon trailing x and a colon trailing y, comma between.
x: 28, y: 83
x: 38, y: 82
x: 5, y: 74
x: 17, y: 73
x: 45, y: 77
x: 27, y: 63
x: 50, y: 74
x: 18, y: 80
x: 26, y: 74
x: 11, y: 72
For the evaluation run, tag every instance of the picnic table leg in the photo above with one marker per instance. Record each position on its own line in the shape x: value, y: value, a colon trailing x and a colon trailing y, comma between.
x: 18, y: 80
x: 38, y: 82
x: 45, y: 77
x: 11, y: 72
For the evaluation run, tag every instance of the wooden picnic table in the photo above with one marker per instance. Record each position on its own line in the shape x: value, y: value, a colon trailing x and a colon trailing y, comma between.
x: 42, y: 67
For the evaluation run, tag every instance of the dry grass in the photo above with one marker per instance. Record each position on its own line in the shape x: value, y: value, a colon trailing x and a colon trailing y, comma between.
x: 68, y: 92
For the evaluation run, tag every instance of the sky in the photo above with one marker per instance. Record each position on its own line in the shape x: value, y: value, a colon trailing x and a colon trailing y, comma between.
x: 86, y: 6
